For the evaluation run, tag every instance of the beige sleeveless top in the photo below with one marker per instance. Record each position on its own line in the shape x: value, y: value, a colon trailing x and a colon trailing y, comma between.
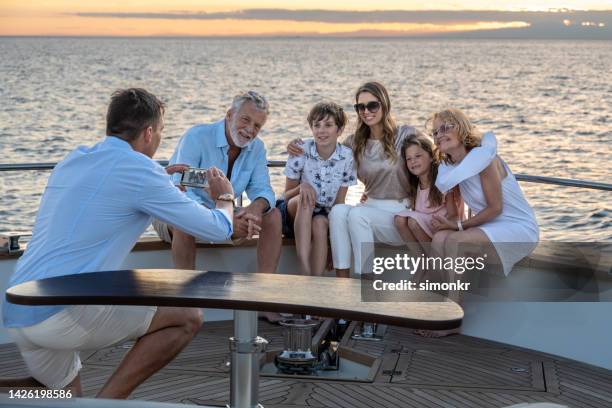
x: 383, y: 179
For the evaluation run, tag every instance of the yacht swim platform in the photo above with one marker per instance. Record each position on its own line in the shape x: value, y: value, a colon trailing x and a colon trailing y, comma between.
x: 411, y: 371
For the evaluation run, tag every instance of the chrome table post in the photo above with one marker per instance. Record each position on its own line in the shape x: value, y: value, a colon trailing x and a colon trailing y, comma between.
x: 246, y: 347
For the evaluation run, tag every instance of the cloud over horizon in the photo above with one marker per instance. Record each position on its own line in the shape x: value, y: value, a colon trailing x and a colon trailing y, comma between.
x: 375, y: 16
x: 537, y: 24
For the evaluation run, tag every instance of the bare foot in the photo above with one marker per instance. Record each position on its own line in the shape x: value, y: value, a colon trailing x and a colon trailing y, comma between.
x: 437, y: 333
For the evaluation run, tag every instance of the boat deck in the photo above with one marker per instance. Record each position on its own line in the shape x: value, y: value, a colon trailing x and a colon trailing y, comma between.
x: 412, y: 371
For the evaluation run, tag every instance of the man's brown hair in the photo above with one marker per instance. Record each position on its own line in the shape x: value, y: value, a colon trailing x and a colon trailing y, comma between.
x: 132, y: 110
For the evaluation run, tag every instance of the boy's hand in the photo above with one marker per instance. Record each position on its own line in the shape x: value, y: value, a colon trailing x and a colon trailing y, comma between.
x: 363, y: 198
x: 308, y: 195
x: 294, y: 148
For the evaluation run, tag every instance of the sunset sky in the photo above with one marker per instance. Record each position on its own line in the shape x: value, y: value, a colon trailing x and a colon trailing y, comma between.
x: 298, y: 17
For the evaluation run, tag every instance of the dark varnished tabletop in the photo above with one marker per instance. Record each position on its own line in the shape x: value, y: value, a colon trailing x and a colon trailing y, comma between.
x: 319, y: 296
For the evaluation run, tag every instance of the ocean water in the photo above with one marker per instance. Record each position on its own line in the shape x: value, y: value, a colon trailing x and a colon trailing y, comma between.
x: 549, y: 103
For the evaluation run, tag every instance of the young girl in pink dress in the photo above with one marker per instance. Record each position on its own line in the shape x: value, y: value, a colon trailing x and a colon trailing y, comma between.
x: 415, y: 226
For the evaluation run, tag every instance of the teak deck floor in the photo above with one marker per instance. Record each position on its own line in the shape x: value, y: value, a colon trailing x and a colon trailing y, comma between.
x: 457, y: 371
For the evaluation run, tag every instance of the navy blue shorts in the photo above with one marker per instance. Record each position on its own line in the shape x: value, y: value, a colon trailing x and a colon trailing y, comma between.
x: 288, y: 232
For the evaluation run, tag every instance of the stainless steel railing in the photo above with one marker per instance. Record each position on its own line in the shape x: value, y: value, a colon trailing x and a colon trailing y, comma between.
x: 594, y: 185
x: 10, y: 242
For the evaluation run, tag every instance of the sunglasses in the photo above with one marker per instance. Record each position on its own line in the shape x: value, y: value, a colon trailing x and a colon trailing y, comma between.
x: 443, y: 129
x: 372, y: 107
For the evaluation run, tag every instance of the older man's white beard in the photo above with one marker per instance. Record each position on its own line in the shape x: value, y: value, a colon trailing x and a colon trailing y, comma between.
x: 236, y: 138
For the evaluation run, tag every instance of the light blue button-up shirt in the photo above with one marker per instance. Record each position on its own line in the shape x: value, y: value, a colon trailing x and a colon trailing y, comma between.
x: 204, y: 146
x: 97, y: 203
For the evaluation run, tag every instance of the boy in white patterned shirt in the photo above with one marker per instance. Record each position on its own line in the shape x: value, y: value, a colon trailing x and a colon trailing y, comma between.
x: 315, y: 182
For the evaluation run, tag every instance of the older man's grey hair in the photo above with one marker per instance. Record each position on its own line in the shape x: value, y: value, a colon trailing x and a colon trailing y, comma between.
x: 261, y: 103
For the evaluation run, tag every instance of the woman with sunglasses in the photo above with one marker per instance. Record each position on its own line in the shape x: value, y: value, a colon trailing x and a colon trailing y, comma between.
x: 376, y: 146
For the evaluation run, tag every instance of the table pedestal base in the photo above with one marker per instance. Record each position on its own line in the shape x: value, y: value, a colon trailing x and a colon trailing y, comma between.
x: 246, y: 347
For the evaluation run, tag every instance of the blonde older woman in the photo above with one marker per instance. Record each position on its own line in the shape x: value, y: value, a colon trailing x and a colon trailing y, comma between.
x: 504, y: 222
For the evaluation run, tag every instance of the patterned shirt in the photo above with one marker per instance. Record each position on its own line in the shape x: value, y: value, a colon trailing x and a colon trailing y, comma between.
x: 325, y: 176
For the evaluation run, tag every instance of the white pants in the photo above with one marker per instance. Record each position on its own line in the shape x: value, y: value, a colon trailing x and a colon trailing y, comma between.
x: 354, y: 230
x: 51, y: 348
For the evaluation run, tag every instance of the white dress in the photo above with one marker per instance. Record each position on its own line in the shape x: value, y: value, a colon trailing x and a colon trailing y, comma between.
x: 514, y: 233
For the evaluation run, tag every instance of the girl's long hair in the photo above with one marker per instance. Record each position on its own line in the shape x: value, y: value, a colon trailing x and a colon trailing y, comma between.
x: 436, y: 198
x: 389, y: 126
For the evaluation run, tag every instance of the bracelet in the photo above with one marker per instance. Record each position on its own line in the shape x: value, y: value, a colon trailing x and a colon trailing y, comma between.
x: 226, y: 197
x: 459, y: 225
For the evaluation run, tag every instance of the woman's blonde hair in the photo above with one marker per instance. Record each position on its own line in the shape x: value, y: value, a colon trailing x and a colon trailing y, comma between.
x: 389, y: 127
x: 435, y: 197
x: 468, y: 134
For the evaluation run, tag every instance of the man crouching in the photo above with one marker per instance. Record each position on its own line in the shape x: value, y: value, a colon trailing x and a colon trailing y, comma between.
x: 97, y: 203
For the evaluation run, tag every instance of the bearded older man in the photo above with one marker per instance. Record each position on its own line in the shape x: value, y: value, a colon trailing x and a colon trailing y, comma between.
x: 231, y: 145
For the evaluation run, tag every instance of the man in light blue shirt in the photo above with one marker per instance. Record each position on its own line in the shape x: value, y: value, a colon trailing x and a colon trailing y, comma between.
x: 232, y: 145
x: 97, y: 203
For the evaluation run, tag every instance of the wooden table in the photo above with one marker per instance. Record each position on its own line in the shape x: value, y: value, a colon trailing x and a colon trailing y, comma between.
x: 246, y: 293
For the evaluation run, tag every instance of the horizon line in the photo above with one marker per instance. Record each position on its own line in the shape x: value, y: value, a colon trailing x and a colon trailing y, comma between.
x: 455, y: 35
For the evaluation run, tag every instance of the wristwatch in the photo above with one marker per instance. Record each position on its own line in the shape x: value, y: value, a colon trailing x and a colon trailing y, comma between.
x: 226, y: 197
